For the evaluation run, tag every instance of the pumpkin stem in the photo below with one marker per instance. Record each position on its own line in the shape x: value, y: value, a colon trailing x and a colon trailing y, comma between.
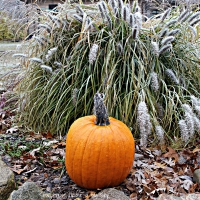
x: 100, y: 110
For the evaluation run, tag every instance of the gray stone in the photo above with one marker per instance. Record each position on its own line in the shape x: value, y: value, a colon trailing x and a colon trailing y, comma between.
x: 111, y: 194
x: 184, y: 197
x: 7, y: 183
x: 168, y: 197
x: 192, y: 197
x: 181, y: 160
x: 29, y: 191
x: 196, y: 176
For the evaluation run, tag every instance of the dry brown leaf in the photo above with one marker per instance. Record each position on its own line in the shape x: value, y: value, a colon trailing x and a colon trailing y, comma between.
x: 147, y: 189
x: 30, y: 171
x: 160, y: 165
x: 159, y: 175
x: 32, y: 133
x: 193, y: 187
x: 133, y: 196
x: 12, y: 130
x: 188, y: 155
x: 50, y: 143
x: 187, y: 184
x: 37, y: 136
x: 57, y: 167
x: 196, y: 150
x: 55, y: 146
x: 131, y: 186
x: 16, y: 168
x: 46, y: 175
x: 171, y: 154
x: 47, y: 135
x: 62, y: 144
x: 181, y: 172
x: 169, y: 162
x: 32, y: 153
x: 91, y: 193
x: 29, y: 139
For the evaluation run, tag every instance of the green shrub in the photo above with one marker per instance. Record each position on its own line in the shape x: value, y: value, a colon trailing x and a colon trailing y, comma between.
x: 148, y: 72
x: 10, y: 29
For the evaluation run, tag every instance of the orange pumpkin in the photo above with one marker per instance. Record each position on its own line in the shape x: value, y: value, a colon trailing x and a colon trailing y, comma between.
x: 99, y: 150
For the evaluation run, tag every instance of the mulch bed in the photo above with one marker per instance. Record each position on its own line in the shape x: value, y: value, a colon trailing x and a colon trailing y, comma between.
x: 40, y: 158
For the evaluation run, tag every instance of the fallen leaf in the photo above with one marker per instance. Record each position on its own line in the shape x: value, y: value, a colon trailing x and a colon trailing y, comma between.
x: 139, y: 175
x: 187, y: 184
x: 161, y: 183
x: 160, y: 165
x: 29, y: 139
x: 170, y: 162
x: 157, y: 152
x: 130, y: 186
x: 26, y: 157
x: 17, y: 169
x: 133, y: 196
x: 62, y: 144
x: 50, y: 143
x: 45, y: 175
x: 54, y: 158
x: 138, y: 156
x: 138, y: 163
x: 32, y: 153
x: 185, y: 177
x: 193, y: 187
x: 147, y: 189
x: 171, y: 154
x: 176, y: 181
x: 37, y: 136
x: 59, y: 151
x: 55, y: 146
x: 12, y: 130
x: 188, y: 155
x: 196, y: 150
x: 30, y: 170
x: 158, y: 190
x: 3, y: 126
x: 47, y: 135
x: 32, y: 133
x: 91, y: 193
x: 3, y: 115
x: 22, y: 147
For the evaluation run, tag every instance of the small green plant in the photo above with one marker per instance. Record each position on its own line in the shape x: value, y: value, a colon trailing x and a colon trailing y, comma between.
x: 20, y: 147
x: 11, y: 149
x: 148, y: 70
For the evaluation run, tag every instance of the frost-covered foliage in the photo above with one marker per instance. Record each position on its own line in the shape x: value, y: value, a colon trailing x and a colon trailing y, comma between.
x: 16, y: 18
x: 147, y: 70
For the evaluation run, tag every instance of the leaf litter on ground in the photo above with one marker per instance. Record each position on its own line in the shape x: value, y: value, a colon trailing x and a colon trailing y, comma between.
x: 40, y: 158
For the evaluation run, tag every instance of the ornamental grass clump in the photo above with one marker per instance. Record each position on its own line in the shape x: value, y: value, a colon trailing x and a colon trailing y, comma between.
x: 108, y: 48
x: 17, y: 19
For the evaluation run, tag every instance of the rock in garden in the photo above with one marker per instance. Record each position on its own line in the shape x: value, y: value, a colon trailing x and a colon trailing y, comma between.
x: 29, y: 190
x: 184, y: 197
x: 169, y: 197
x: 7, y: 183
x: 111, y: 194
x: 196, y: 176
x: 192, y: 197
